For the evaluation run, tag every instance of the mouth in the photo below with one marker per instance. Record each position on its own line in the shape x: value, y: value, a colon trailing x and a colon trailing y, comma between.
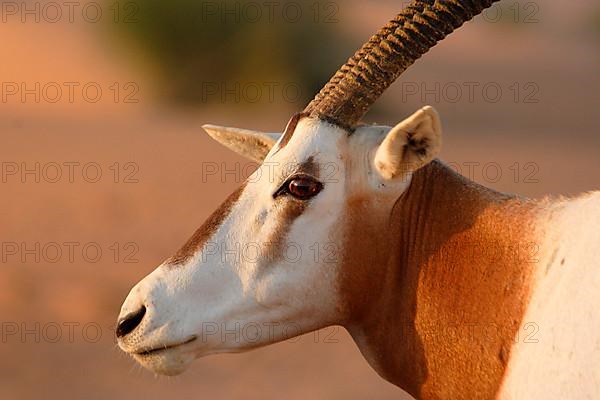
x: 160, y: 349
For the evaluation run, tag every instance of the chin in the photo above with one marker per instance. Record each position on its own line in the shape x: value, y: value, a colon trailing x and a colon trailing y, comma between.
x: 167, y: 362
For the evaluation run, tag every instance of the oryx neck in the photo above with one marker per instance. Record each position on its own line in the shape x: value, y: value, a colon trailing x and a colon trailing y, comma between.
x: 458, y: 268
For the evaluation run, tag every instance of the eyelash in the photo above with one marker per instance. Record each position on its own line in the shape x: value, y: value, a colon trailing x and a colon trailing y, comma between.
x: 283, y: 189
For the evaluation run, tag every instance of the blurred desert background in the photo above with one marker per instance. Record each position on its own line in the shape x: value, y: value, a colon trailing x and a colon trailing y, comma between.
x: 115, y: 168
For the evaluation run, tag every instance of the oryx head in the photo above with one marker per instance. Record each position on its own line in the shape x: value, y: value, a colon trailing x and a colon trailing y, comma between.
x: 281, y: 256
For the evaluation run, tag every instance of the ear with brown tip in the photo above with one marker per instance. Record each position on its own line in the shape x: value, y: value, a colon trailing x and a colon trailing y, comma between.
x: 250, y: 144
x: 410, y: 145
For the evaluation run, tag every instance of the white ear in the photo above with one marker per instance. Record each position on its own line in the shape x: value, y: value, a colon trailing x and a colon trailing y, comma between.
x: 250, y: 144
x: 410, y: 145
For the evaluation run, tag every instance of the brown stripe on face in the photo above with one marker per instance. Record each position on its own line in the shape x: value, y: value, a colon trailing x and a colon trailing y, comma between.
x: 207, y: 229
x: 287, y: 209
x: 289, y: 130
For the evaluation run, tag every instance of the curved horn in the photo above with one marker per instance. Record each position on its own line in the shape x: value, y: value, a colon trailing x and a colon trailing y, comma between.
x: 346, y: 98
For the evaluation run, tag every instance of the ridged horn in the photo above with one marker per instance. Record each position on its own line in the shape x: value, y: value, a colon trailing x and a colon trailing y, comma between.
x: 346, y: 98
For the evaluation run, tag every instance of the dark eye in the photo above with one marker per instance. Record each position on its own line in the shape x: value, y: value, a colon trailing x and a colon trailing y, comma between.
x: 301, y: 187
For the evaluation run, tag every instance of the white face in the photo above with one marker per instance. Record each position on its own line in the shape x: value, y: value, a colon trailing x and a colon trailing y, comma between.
x: 268, y: 268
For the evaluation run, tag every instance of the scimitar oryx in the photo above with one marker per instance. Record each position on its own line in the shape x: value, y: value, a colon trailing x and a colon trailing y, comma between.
x: 450, y: 290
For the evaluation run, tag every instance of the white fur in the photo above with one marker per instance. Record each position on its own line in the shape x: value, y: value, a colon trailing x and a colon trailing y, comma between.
x: 559, y: 358
x: 229, y: 299
x: 236, y: 293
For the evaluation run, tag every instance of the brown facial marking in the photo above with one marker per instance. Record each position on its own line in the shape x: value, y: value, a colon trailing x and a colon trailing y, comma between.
x: 207, y: 229
x: 290, y: 129
x: 428, y: 290
x: 286, y: 211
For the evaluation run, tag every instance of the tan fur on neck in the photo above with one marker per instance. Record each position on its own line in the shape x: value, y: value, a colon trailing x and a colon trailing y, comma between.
x: 435, y: 301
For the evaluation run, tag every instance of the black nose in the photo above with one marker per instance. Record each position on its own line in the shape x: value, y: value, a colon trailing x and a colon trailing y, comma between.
x: 130, y: 322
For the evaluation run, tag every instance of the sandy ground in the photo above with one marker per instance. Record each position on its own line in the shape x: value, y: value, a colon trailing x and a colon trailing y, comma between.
x: 151, y: 196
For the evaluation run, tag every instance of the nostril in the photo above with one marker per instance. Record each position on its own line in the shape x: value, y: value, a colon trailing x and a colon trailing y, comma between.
x: 129, y: 322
